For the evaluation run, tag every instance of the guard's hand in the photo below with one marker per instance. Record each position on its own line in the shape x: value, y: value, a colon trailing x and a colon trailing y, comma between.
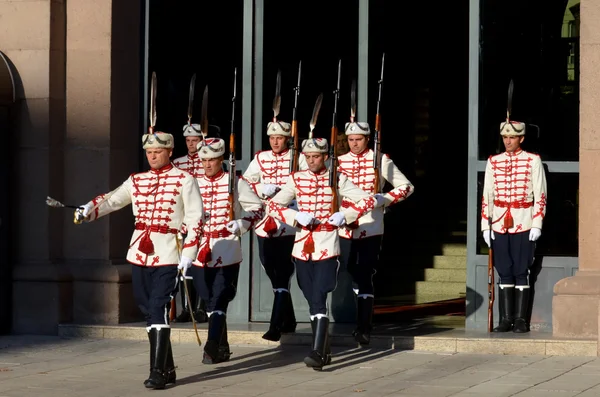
x: 233, y: 227
x: 379, y: 200
x: 269, y: 189
x: 304, y: 218
x: 184, y: 264
x: 337, y: 219
x: 486, y: 236
x: 82, y: 213
x: 534, y: 234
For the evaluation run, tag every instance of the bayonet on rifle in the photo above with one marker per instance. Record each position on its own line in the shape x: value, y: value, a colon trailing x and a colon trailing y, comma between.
x: 191, y: 99
x: 377, y: 138
x: 232, y: 176
x: 294, y: 150
x: 277, y: 98
x: 204, y: 125
x: 333, y: 145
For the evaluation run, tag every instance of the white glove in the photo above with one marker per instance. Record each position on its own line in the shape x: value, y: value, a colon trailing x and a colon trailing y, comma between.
x: 337, y: 219
x: 233, y: 227
x: 534, y: 234
x: 304, y: 218
x: 269, y: 189
x: 486, y: 236
x: 379, y: 200
x: 83, y: 212
x: 184, y: 264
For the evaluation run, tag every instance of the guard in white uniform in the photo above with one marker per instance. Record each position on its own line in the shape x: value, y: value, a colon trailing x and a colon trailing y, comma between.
x: 217, y: 266
x: 162, y: 199
x: 267, y: 173
x: 514, y: 204
x: 316, y: 248
x: 361, y: 241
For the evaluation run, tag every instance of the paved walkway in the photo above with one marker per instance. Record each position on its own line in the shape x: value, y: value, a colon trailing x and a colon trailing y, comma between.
x: 50, y: 366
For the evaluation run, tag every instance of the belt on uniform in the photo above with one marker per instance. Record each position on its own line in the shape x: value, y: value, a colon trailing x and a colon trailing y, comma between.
x: 164, y: 229
x: 218, y: 233
x: 321, y: 227
x: 513, y: 204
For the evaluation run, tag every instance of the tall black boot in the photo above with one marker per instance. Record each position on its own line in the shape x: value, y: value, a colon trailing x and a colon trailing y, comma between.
x: 364, y: 320
x: 224, y: 352
x: 171, y: 376
x: 185, y: 317
x: 506, y: 304
x: 216, y: 325
x: 200, y: 312
x: 317, y: 358
x: 159, y: 345
x: 277, y: 316
x: 289, y: 317
x: 521, y: 306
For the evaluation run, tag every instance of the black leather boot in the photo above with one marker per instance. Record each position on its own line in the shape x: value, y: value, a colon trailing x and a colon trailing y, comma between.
x: 317, y: 358
x: 289, y: 317
x: 185, y: 316
x: 506, y: 304
x: 200, y: 312
x: 171, y: 376
x: 277, y: 316
x: 159, y: 348
x: 216, y: 326
x: 224, y: 352
x: 364, y: 320
x: 521, y: 306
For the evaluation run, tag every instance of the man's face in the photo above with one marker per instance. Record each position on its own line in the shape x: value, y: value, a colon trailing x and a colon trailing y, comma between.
x: 158, y: 158
x: 278, y: 143
x: 316, y: 161
x: 192, y: 143
x: 357, y: 143
x: 212, y: 166
x: 512, y: 143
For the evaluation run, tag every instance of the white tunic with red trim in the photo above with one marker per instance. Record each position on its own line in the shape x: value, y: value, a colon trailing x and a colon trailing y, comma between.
x: 515, y: 184
x: 190, y: 163
x: 359, y: 169
x: 161, y: 200
x: 314, y: 196
x: 268, y: 167
x: 218, y: 247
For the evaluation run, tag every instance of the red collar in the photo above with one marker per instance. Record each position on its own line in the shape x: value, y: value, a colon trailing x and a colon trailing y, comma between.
x: 213, y: 178
x: 361, y: 154
x: 193, y: 156
x: 518, y: 152
x: 162, y: 169
x: 280, y: 154
x: 318, y: 174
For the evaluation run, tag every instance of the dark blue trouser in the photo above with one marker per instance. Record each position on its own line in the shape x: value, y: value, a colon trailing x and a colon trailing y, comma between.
x: 513, y: 256
x: 153, y: 289
x: 360, y: 257
x: 276, y: 258
x: 216, y: 286
x: 316, y: 279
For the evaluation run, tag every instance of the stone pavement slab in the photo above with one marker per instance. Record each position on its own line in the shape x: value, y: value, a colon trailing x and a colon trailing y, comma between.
x: 54, y: 366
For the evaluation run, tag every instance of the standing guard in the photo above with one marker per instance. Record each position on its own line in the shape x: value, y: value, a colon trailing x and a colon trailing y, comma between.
x: 191, y: 163
x: 162, y: 199
x: 512, y: 212
x: 316, y: 248
x: 267, y: 173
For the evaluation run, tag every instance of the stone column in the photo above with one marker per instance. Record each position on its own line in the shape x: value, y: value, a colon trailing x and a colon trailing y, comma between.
x: 577, y: 299
x: 33, y: 39
x: 102, y: 148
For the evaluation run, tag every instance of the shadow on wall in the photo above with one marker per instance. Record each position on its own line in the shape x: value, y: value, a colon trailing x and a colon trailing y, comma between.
x: 8, y: 80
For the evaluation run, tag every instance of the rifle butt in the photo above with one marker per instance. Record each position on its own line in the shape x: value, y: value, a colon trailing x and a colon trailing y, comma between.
x: 491, y: 292
x: 173, y: 310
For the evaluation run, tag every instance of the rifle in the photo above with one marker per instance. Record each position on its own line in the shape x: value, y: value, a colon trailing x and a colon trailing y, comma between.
x: 377, y: 138
x: 491, y: 290
x: 294, y: 151
x: 231, y: 188
x: 333, y: 182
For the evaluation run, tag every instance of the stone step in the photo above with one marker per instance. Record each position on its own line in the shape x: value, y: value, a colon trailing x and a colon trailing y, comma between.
x: 450, y: 289
x: 446, y: 275
x: 454, y: 249
x: 441, y: 261
x: 395, y: 337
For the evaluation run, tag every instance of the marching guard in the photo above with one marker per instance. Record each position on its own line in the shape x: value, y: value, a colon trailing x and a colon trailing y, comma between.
x: 217, y: 266
x: 267, y: 173
x: 512, y: 212
x: 316, y: 248
x: 162, y: 199
x: 192, y: 164
x: 360, y: 241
